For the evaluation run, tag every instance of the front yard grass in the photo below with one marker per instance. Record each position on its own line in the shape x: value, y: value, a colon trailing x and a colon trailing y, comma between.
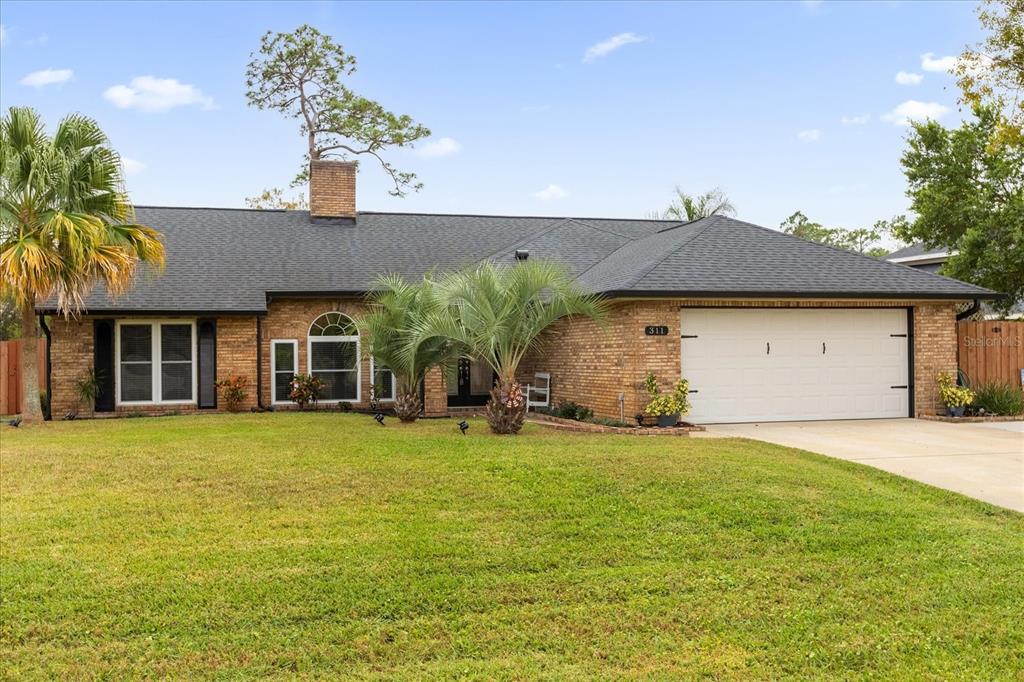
x: 305, y: 545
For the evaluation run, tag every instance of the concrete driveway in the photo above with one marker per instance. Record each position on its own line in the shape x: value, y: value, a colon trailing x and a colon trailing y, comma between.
x: 985, y: 461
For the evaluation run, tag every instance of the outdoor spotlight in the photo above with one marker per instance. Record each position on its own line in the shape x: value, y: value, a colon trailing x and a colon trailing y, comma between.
x: 639, y: 419
x: 70, y: 416
x: 16, y: 422
x: 380, y: 418
x: 463, y: 426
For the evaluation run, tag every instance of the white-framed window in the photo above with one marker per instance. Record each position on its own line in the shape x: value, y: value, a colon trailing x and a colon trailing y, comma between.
x: 332, y: 355
x: 155, y: 362
x: 384, y: 385
x: 284, y: 361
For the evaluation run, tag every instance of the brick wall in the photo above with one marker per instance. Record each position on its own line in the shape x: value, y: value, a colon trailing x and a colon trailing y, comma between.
x: 590, y: 364
x: 593, y: 366
x: 934, y: 352
x: 236, y: 354
x: 332, y: 189
x: 71, y: 358
x: 71, y: 353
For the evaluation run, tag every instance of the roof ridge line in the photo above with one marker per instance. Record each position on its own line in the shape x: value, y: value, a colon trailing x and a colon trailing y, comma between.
x: 542, y: 231
x: 631, y: 283
x: 580, y: 221
x: 711, y: 221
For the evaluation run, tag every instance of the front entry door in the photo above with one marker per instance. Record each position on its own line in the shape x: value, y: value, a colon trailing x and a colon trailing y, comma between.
x: 469, y: 383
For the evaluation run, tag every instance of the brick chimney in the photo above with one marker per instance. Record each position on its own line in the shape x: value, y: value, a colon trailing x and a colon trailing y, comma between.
x: 332, y: 189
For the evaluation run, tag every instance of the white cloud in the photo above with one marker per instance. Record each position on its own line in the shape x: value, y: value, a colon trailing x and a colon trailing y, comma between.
x: 912, y: 110
x: 551, y: 193
x: 608, y: 46
x: 855, y: 120
x: 812, y: 135
x: 908, y: 78
x: 131, y: 166
x: 3, y: 35
x: 929, y: 62
x: 443, y: 146
x: 148, y: 93
x: 38, y: 79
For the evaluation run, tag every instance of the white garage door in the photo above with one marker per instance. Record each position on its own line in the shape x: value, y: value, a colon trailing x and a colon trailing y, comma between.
x: 757, y: 364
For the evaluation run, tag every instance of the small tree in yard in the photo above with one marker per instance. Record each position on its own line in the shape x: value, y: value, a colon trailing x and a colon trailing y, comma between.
x: 397, y: 308
x: 300, y: 75
x: 497, y: 313
x: 65, y: 224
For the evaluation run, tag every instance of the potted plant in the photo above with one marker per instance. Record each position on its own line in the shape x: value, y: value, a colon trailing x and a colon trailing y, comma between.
x: 956, y: 398
x: 669, y: 407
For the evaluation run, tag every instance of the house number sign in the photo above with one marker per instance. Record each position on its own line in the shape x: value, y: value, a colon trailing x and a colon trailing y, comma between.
x: 656, y: 330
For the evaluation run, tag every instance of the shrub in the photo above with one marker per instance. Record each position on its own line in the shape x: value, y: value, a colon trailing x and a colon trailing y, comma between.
x: 88, y: 387
x: 232, y: 390
x: 953, y: 395
x: 306, y: 390
x: 567, y: 409
x: 999, y: 397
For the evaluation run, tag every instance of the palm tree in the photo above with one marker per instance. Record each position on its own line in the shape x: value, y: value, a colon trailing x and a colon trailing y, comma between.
x: 397, y: 307
x: 691, y: 207
x: 65, y: 224
x: 497, y: 313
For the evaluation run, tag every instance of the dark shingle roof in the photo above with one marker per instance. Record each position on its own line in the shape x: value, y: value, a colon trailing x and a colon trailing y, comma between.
x: 917, y: 250
x: 229, y: 260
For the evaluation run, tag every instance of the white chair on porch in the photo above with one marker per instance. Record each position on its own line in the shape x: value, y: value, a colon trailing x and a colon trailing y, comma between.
x: 538, y: 393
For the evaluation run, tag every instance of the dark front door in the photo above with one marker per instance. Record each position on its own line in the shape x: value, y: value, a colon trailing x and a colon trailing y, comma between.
x: 469, y: 383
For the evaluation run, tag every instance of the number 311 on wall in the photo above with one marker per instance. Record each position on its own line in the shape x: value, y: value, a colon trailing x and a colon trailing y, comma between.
x: 656, y: 330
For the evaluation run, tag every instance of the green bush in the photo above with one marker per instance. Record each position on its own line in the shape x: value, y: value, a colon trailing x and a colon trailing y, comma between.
x: 997, y: 397
x: 567, y: 409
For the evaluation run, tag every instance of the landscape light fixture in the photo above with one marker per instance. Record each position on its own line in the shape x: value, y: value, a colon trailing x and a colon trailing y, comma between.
x: 380, y: 418
x: 639, y: 419
x: 522, y: 254
x: 16, y: 422
x: 463, y: 426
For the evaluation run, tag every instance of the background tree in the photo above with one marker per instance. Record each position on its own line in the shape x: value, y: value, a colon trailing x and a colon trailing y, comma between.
x: 300, y: 75
x: 968, y: 197
x: 497, y: 313
x: 275, y: 198
x: 65, y: 224
x: 10, y: 318
x: 991, y: 74
x: 396, y: 309
x: 690, y: 207
x: 860, y: 240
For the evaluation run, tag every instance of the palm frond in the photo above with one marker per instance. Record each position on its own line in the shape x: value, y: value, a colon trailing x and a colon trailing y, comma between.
x: 65, y: 222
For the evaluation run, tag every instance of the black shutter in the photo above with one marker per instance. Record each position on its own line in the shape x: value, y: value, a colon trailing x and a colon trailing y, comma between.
x: 103, y: 364
x: 207, y: 363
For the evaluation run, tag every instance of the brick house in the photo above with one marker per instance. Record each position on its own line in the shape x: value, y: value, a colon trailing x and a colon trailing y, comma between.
x: 764, y: 325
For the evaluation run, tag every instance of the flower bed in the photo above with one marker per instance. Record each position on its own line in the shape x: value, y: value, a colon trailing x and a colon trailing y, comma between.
x: 970, y: 420
x: 684, y: 429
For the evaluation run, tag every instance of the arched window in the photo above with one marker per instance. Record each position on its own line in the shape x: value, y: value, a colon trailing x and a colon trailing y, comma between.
x: 333, y: 356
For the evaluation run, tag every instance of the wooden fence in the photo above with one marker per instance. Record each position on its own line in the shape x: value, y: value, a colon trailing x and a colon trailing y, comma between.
x: 10, y: 373
x: 991, y: 350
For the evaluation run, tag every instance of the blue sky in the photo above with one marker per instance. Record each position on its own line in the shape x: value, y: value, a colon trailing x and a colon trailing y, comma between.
x: 749, y: 97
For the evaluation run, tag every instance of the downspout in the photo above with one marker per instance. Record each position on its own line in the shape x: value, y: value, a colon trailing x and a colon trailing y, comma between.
x: 974, y: 307
x: 259, y: 362
x: 49, y: 378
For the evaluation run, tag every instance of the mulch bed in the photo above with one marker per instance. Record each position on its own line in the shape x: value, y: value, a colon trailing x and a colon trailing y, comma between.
x: 969, y: 420
x: 682, y: 429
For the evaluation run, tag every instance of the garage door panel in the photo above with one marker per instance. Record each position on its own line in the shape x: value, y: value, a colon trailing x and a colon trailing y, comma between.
x: 851, y: 376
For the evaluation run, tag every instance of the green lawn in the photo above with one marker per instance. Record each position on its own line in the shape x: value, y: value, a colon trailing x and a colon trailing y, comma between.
x: 324, y: 545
